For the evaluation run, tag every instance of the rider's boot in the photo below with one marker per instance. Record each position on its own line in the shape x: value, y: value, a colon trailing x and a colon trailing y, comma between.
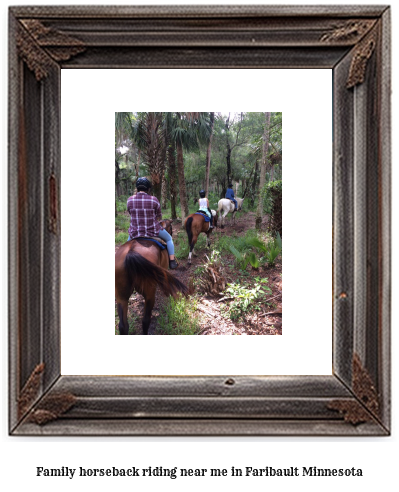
x: 173, y: 264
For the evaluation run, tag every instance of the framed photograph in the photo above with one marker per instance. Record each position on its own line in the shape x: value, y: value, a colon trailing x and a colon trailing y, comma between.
x: 353, y: 43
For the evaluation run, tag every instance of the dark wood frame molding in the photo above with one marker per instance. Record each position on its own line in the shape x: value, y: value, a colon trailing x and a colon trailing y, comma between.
x: 353, y: 41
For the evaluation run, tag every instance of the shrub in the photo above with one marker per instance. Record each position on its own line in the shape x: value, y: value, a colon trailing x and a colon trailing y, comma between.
x: 179, y: 317
x: 122, y: 222
x: 245, y: 300
x: 272, y: 205
x: 212, y: 281
x: 242, y: 259
x: 271, y: 249
x: 121, y: 203
x: 240, y: 243
x: 121, y: 237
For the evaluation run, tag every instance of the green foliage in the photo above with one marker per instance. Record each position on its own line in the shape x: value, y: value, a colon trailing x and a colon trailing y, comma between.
x: 121, y: 203
x: 245, y: 300
x: 179, y: 317
x: 257, y: 243
x: 214, y: 260
x: 274, y: 248
x: 241, y: 258
x: 223, y: 243
x: 279, y: 241
x: 253, y: 260
x: 181, y: 245
x: 198, y: 271
x: 135, y: 326
x: 213, y: 200
x: 121, y: 237
x: 244, y: 133
x: 192, y: 207
x: 272, y: 253
x: 271, y: 249
x: 241, y: 247
x: 167, y: 212
x: 270, y: 191
x: 182, y: 248
x: 122, y: 222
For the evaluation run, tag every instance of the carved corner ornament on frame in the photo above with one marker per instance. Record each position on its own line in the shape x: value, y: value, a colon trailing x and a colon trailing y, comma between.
x: 353, y: 42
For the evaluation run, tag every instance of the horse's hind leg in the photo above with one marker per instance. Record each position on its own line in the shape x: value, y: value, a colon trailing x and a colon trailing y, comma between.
x: 193, y: 243
x: 223, y: 217
x: 149, y: 297
x: 122, y: 313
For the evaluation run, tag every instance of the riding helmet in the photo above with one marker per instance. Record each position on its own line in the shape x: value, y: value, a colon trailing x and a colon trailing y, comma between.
x: 231, y: 185
x: 143, y: 184
x: 202, y: 194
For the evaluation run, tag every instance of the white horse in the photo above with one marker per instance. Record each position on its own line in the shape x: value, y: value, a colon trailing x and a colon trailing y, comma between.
x: 225, y: 205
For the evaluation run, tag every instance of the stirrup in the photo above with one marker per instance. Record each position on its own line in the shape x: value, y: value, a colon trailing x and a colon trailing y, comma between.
x: 173, y: 264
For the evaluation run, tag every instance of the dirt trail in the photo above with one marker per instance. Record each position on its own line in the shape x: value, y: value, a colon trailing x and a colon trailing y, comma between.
x: 212, y: 322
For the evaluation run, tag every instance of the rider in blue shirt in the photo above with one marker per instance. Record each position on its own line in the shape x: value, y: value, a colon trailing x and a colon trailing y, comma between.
x: 230, y: 195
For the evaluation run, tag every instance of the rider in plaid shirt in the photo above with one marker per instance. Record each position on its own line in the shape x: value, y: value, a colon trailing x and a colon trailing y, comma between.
x: 145, y: 214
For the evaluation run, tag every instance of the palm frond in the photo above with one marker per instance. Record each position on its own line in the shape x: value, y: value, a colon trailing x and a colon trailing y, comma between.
x: 122, y: 126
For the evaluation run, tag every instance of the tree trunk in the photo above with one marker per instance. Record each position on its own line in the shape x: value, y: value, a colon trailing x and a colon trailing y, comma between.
x: 208, y: 156
x: 117, y: 171
x: 228, y: 155
x: 228, y: 160
x: 154, y: 151
x: 172, y: 179
x: 163, y: 192
x: 253, y: 187
x: 182, y: 183
x: 138, y: 164
x: 263, y: 169
x: 157, y: 186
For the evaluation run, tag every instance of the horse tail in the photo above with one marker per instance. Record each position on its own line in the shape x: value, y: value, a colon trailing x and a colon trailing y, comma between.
x: 189, y: 230
x: 220, y: 207
x: 140, y: 271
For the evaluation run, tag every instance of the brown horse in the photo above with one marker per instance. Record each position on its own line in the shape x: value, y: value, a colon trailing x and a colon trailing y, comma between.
x: 141, y: 265
x: 194, y: 225
x: 167, y: 224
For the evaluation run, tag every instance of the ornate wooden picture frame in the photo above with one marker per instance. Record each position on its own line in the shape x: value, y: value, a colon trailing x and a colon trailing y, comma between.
x: 353, y: 41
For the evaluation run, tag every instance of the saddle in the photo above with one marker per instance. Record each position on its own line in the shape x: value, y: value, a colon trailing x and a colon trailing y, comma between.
x: 201, y: 212
x: 157, y: 240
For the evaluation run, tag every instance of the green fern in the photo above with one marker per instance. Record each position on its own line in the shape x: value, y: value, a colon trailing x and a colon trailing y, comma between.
x: 279, y: 241
x: 271, y: 249
x: 253, y: 260
x: 241, y: 259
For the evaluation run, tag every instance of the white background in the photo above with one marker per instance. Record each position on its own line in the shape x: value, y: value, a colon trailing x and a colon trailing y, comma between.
x: 88, y: 104
x: 20, y: 456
